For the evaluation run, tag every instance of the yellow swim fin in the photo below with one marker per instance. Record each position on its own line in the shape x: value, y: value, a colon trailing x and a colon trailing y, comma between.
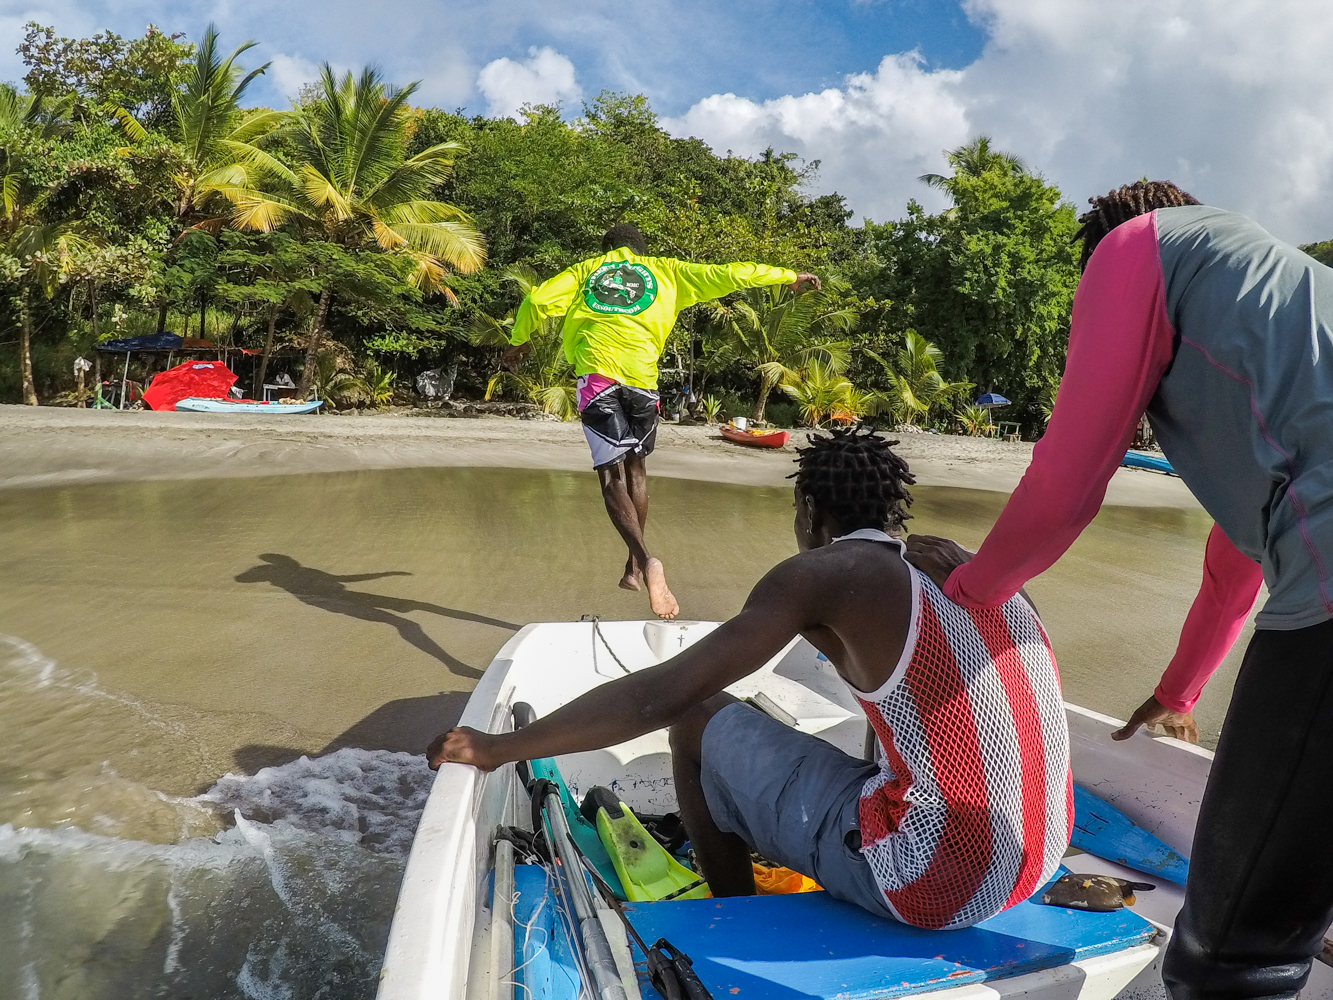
x: 646, y: 870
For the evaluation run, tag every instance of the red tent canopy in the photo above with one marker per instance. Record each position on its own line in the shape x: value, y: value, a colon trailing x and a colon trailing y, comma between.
x: 206, y: 379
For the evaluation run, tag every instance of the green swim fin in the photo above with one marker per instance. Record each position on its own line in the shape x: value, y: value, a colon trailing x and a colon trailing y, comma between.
x: 646, y: 870
x: 586, y: 838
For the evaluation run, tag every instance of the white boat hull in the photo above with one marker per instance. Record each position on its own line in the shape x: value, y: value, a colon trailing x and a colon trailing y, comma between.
x: 439, y: 944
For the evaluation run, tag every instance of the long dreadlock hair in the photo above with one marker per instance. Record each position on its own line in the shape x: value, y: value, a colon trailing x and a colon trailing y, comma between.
x: 853, y: 476
x: 1123, y: 204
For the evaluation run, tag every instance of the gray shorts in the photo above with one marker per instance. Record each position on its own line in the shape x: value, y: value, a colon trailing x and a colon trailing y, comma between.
x: 792, y: 797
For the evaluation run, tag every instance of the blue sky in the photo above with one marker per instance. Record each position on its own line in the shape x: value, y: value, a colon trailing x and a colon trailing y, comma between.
x: 674, y: 52
x: 1228, y: 99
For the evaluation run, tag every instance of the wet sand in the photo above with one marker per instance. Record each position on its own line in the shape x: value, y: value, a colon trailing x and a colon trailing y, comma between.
x: 50, y: 446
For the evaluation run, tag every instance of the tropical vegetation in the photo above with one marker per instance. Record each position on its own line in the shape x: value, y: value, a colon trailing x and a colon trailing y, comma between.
x: 355, y: 239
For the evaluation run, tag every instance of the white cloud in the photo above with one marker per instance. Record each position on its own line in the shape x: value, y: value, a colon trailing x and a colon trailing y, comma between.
x: 1229, y: 100
x: 288, y: 74
x: 874, y: 135
x: 546, y: 77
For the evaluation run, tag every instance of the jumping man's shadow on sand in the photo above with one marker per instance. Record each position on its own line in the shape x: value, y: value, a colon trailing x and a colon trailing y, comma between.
x: 329, y: 592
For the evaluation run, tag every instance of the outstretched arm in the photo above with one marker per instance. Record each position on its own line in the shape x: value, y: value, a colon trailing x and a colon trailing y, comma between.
x: 1230, y: 585
x: 778, y: 608
x: 701, y: 282
x: 551, y: 298
x: 1120, y: 343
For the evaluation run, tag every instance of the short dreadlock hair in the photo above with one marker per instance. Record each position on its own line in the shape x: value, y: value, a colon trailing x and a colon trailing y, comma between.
x: 625, y: 235
x: 853, y: 476
x: 1123, y: 204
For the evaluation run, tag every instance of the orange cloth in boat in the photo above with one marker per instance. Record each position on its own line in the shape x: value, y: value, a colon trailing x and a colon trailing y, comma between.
x: 778, y: 881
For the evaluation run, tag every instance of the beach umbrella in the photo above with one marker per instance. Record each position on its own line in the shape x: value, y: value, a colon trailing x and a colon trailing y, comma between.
x: 205, y: 379
x: 990, y: 400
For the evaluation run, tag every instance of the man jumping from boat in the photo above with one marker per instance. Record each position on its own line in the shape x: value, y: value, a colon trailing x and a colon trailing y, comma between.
x: 969, y: 809
x: 619, y: 309
x: 1223, y: 335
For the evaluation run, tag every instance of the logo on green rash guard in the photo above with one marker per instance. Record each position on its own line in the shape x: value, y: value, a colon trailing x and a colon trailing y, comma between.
x: 621, y: 287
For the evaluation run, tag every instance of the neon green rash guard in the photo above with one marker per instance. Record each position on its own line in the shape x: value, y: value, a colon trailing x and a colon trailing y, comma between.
x: 619, y: 308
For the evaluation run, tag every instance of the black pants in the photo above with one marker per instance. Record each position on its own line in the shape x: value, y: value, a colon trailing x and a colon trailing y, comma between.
x: 1260, y: 892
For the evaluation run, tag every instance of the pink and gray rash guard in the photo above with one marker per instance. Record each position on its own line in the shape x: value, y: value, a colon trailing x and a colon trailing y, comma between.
x: 1224, y: 336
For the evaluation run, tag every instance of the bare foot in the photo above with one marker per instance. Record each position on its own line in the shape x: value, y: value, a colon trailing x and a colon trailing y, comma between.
x: 630, y: 581
x: 659, y: 594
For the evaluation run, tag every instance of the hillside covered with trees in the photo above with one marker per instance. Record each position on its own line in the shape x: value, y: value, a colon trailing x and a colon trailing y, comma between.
x: 357, y: 239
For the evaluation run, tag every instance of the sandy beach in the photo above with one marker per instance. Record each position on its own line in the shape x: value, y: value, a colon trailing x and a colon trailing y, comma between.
x: 50, y: 446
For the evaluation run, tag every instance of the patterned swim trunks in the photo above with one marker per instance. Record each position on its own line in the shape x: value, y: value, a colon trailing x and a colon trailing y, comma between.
x: 617, y: 419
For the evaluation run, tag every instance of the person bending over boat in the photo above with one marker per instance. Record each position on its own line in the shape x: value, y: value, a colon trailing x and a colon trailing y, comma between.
x: 969, y: 809
x: 619, y: 309
x: 1222, y: 334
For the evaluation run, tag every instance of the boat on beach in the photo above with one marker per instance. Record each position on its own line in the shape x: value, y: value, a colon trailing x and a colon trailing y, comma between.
x: 199, y: 404
x: 455, y: 938
x: 1153, y: 463
x: 755, y: 438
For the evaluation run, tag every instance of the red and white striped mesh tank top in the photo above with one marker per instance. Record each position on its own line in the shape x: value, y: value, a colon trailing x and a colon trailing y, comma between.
x: 973, y: 806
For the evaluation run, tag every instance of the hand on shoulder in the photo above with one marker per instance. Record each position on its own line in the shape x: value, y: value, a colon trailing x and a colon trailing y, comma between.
x: 936, y: 557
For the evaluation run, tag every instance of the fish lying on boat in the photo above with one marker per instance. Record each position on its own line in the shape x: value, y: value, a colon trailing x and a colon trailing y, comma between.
x: 451, y: 940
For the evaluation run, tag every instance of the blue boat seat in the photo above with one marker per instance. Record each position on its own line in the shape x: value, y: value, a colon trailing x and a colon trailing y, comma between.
x: 810, y: 945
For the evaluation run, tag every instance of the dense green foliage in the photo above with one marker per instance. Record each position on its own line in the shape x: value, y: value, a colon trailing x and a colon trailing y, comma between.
x: 357, y: 235
x: 991, y: 281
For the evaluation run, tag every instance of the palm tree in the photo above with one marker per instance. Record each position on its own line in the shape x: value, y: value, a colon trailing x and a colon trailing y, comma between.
x: 217, y: 136
x: 379, y: 384
x: 973, y: 159
x: 915, y: 386
x: 975, y: 420
x: 779, y: 332
x: 334, y: 383
x: 220, y: 158
x: 39, y: 247
x: 357, y: 187
x: 33, y: 113
x: 822, y: 393
x: 546, y: 377
x: 43, y: 251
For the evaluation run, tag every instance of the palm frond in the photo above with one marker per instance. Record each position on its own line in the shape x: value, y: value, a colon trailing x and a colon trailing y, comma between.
x: 257, y: 159
x: 414, y: 178
x: 429, y: 273
x: 424, y: 212
x: 522, y: 275
x: 837, y: 354
x: 128, y: 123
x: 558, y: 400
x: 254, y: 210
x: 226, y: 175
x: 487, y: 331
x: 457, y: 244
x: 13, y: 108
x: 384, y: 234
x: 775, y: 372
x: 321, y: 192
x: 9, y: 192
x: 261, y: 124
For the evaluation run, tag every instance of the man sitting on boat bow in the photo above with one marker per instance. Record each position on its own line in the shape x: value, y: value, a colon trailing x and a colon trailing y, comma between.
x: 968, y: 810
x: 618, y: 311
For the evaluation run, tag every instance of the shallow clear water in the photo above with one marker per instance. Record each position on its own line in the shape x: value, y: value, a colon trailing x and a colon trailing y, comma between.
x: 160, y: 636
